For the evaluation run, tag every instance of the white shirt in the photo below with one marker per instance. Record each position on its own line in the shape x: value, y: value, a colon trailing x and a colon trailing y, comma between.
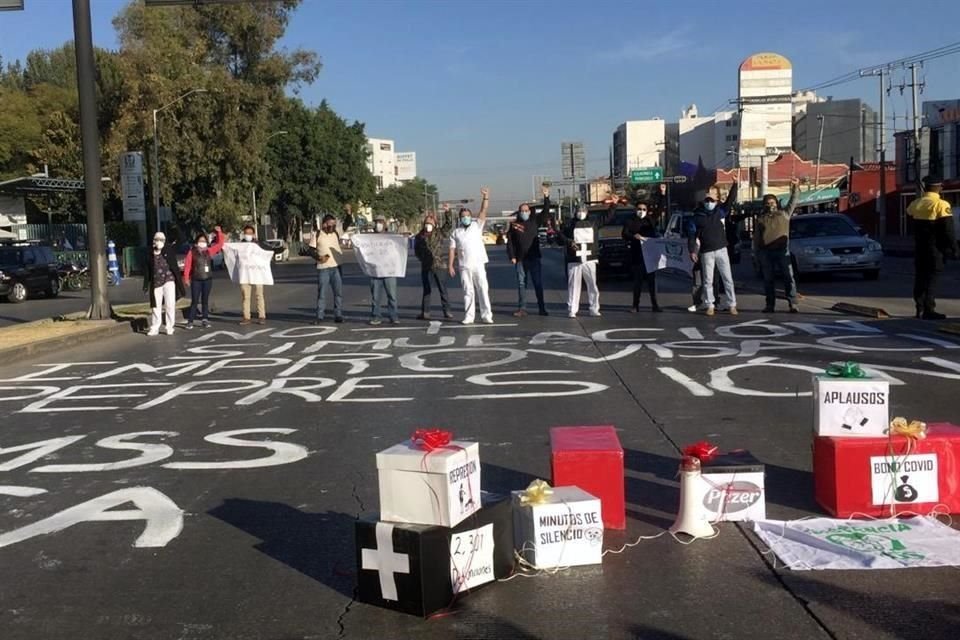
x: 468, y: 241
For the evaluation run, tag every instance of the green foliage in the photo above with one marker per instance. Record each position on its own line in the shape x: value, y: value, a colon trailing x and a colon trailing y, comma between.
x: 406, y: 202
x: 123, y: 234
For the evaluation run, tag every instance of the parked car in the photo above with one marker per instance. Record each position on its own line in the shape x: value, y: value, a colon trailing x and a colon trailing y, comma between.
x: 831, y: 243
x: 27, y: 270
x: 281, y: 252
x: 183, y: 249
x: 613, y: 251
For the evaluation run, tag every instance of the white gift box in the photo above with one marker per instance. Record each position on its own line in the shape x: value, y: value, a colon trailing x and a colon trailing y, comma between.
x: 564, y: 531
x: 439, y: 487
x: 733, y: 488
x: 851, y: 407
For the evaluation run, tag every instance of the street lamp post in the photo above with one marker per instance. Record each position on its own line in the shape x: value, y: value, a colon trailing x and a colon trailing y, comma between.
x: 269, y: 138
x: 156, y: 156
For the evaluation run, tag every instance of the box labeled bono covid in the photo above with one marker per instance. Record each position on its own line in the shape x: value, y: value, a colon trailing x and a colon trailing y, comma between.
x: 850, y: 407
x: 565, y: 530
x: 734, y: 488
x: 880, y: 477
x: 438, y: 487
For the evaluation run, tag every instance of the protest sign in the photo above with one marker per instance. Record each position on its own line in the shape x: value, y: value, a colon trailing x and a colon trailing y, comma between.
x: 667, y: 253
x: 381, y: 255
x: 248, y: 263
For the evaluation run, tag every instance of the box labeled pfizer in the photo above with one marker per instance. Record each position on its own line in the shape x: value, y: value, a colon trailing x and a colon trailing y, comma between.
x: 735, y: 489
x: 565, y: 530
x: 438, y: 487
x: 851, y: 407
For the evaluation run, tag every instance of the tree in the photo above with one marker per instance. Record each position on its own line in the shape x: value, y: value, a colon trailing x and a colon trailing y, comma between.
x: 406, y: 202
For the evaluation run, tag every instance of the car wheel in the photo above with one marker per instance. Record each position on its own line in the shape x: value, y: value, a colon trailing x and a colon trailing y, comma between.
x: 871, y: 274
x: 18, y: 293
x: 54, y: 289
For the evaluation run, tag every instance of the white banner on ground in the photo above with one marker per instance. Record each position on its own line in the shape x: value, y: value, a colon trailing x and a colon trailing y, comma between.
x: 381, y: 255
x: 825, y: 543
x: 248, y: 263
x: 667, y: 253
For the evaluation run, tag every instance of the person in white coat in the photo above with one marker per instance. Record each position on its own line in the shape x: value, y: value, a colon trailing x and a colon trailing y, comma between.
x: 466, y: 246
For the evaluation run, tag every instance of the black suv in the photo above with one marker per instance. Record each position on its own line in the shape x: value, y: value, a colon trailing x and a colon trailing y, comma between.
x: 613, y: 251
x: 27, y: 270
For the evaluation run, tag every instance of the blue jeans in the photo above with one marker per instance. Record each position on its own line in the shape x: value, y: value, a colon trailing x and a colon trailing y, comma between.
x: 200, y: 292
x: 529, y: 268
x: 377, y: 287
x: 430, y: 278
x: 770, y: 259
x: 329, y: 279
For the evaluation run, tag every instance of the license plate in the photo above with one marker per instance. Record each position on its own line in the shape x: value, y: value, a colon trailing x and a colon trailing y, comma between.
x: 848, y: 261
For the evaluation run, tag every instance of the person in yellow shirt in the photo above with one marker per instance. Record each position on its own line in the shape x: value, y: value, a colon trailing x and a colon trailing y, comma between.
x: 328, y: 254
x: 935, y: 242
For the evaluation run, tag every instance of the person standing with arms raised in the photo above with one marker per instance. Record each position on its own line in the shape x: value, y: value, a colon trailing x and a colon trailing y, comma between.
x: 198, y: 274
x: 466, y: 246
x: 935, y: 241
x: 771, y: 242
x: 523, y: 247
x: 708, y: 246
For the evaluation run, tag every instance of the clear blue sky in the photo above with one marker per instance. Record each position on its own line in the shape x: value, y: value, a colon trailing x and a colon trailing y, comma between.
x: 485, y: 90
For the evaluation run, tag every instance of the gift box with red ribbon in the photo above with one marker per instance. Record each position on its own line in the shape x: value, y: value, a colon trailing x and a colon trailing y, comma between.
x: 430, y: 479
x: 891, y: 475
x: 591, y: 458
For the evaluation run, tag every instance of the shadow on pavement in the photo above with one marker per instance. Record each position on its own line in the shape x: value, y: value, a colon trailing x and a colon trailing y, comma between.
x: 643, y: 632
x: 318, y: 545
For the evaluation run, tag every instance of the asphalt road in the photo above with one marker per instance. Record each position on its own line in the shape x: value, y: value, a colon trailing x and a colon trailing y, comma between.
x: 266, y: 552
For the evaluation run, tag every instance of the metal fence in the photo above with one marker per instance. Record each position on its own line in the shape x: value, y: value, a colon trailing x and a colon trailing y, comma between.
x: 58, y: 235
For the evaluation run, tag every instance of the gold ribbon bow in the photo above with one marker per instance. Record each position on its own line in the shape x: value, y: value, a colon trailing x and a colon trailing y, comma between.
x: 915, y: 430
x: 537, y: 493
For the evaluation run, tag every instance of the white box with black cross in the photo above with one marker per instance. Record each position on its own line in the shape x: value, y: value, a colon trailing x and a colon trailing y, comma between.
x: 850, y: 407
x: 565, y: 530
x: 439, y: 487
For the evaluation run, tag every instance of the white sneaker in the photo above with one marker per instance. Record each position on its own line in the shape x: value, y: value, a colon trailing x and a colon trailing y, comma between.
x: 153, y: 332
x: 595, y: 314
x: 487, y: 320
x: 169, y: 332
x: 692, y: 308
x: 466, y: 321
x: 571, y: 315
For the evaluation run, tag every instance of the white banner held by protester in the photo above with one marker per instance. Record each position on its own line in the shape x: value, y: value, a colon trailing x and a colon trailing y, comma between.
x: 248, y: 263
x: 381, y: 255
x: 824, y: 543
x: 667, y: 253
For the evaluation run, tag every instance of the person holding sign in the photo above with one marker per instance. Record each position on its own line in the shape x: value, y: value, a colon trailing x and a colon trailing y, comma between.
x: 637, y: 231
x: 708, y: 246
x: 581, y: 235
x: 325, y: 249
x: 162, y: 280
x: 198, y: 275
x: 466, y: 245
x: 430, y: 247
x: 375, y: 257
x: 249, y: 266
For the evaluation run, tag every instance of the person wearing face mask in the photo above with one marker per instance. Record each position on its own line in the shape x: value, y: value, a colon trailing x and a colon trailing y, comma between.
x: 162, y: 280
x: 381, y: 286
x: 523, y: 247
x: 198, y: 274
x: 466, y: 245
x: 251, y: 269
x: 325, y: 249
x: 771, y: 242
x: 431, y: 248
x: 636, y: 231
x: 581, y: 236
x: 708, y: 246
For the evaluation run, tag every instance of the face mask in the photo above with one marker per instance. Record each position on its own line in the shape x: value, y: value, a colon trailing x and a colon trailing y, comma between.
x: 771, y: 206
x: 328, y: 229
x: 378, y: 227
x: 642, y: 213
x: 466, y: 220
x: 428, y: 227
x: 157, y: 246
x: 201, y: 245
x: 247, y: 238
x: 709, y: 206
x: 581, y: 215
x: 524, y: 215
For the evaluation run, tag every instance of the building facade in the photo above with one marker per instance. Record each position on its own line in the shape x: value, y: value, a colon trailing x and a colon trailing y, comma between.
x: 638, y: 144
x: 849, y: 132
x: 382, y: 162
x: 709, y: 140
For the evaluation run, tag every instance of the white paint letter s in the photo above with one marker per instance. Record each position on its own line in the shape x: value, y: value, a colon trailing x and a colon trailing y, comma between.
x: 283, y: 452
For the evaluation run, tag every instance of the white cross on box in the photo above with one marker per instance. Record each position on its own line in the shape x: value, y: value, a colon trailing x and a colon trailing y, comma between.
x: 385, y: 561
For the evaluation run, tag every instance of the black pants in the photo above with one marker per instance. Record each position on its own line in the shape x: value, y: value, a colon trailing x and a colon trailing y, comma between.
x: 925, y: 287
x: 640, y: 276
x: 430, y: 277
x: 200, y: 292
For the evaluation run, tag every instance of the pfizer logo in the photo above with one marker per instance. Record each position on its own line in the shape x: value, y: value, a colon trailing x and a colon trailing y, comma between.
x: 732, y: 497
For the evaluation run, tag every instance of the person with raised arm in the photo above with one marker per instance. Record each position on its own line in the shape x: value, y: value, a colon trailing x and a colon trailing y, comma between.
x: 523, y: 247
x: 771, y: 241
x: 467, y: 249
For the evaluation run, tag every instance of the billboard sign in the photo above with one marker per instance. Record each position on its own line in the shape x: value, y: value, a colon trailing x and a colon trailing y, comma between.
x: 131, y: 184
x: 765, y: 97
x: 11, y: 5
x: 405, y: 165
x: 573, y: 160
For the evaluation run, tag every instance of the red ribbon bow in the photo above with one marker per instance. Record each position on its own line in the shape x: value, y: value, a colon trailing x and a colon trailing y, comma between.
x: 703, y: 451
x: 431, y: 439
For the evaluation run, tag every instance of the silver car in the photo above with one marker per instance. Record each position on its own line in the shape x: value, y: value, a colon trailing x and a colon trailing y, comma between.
x: 831, y: 243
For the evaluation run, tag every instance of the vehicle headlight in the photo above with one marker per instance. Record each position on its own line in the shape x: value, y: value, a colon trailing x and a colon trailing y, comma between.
x: 873, y: 245
x: 816, y: 251
x: 3, y: 276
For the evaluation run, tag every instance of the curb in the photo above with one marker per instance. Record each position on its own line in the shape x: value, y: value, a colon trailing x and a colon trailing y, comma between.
x: 103, y: 329
x: 861, y: 310
x: 952, y: 329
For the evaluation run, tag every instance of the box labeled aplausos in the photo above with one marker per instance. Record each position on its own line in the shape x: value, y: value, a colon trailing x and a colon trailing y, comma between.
x: 851, y: 407
x: 734, y: 488
x: 439, y: 487
x: 565, y: 530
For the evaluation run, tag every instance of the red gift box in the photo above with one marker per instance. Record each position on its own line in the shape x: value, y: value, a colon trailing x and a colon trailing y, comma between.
x: 886, y: 476
x: 591, y: 458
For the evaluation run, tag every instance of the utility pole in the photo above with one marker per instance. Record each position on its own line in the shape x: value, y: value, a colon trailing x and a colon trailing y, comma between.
x: 916, y: 126
x: 820, y: 118
x: 882, y: 201
x: 90, y: 138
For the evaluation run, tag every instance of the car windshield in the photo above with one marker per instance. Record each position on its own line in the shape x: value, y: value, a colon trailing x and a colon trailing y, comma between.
x: 620, y: 218
x: 821, y: 227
